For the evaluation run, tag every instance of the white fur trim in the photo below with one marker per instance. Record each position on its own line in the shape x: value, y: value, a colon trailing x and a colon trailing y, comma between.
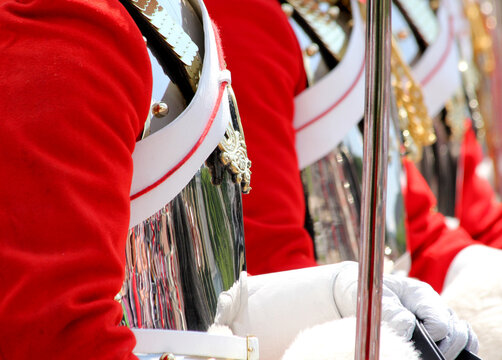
x: 336, y: 340
x: 473, y: 289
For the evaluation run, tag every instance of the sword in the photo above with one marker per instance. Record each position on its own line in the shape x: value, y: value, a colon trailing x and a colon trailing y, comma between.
x: 376, y: 129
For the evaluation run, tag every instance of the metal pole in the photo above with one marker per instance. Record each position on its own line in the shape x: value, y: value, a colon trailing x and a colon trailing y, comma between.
x: 376, y: 128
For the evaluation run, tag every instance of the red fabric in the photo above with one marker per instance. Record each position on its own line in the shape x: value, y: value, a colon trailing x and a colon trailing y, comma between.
x: 76, y: 82
x: 432, y: 245
x: 478, y: 210
x: 263, y: 55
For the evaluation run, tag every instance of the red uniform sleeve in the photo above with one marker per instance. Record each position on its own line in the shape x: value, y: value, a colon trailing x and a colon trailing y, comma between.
x: 264, y: 57
x: 479, y: 211
x: 75, y: 83
x: 432, y: 245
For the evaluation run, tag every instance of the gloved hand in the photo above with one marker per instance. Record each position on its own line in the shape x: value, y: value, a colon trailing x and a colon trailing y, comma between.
x: 276, y: 307
x: 403, y: 299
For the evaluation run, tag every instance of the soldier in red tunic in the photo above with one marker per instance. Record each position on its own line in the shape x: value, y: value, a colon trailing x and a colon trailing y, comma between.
x: 77, y: 88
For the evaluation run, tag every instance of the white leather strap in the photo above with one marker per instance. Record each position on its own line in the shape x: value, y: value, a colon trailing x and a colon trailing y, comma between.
x: 462, y: 30
x: 325, y: 112
x: 165, y: 161
x: 437, y: 69
x: 196, y: 344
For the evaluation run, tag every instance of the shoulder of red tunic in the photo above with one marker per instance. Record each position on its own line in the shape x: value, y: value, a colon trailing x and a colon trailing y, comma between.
x: 266, y: 63
x: 76, y: 83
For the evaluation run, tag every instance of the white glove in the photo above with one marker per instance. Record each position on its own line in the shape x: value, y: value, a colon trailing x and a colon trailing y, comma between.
x: 404, y: 299
x: 276, y: 307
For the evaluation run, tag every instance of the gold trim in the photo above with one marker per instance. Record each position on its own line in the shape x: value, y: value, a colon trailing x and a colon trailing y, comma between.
x: 416, y: 125
x: 234, y: 150
x: 481, y: 40
x: 250, y: 349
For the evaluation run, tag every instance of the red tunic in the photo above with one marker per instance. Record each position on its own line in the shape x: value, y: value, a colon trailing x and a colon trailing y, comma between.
x: 267, y: 72
x: 75, y: 84
x: 432, y: 245
x: 479, y: 211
